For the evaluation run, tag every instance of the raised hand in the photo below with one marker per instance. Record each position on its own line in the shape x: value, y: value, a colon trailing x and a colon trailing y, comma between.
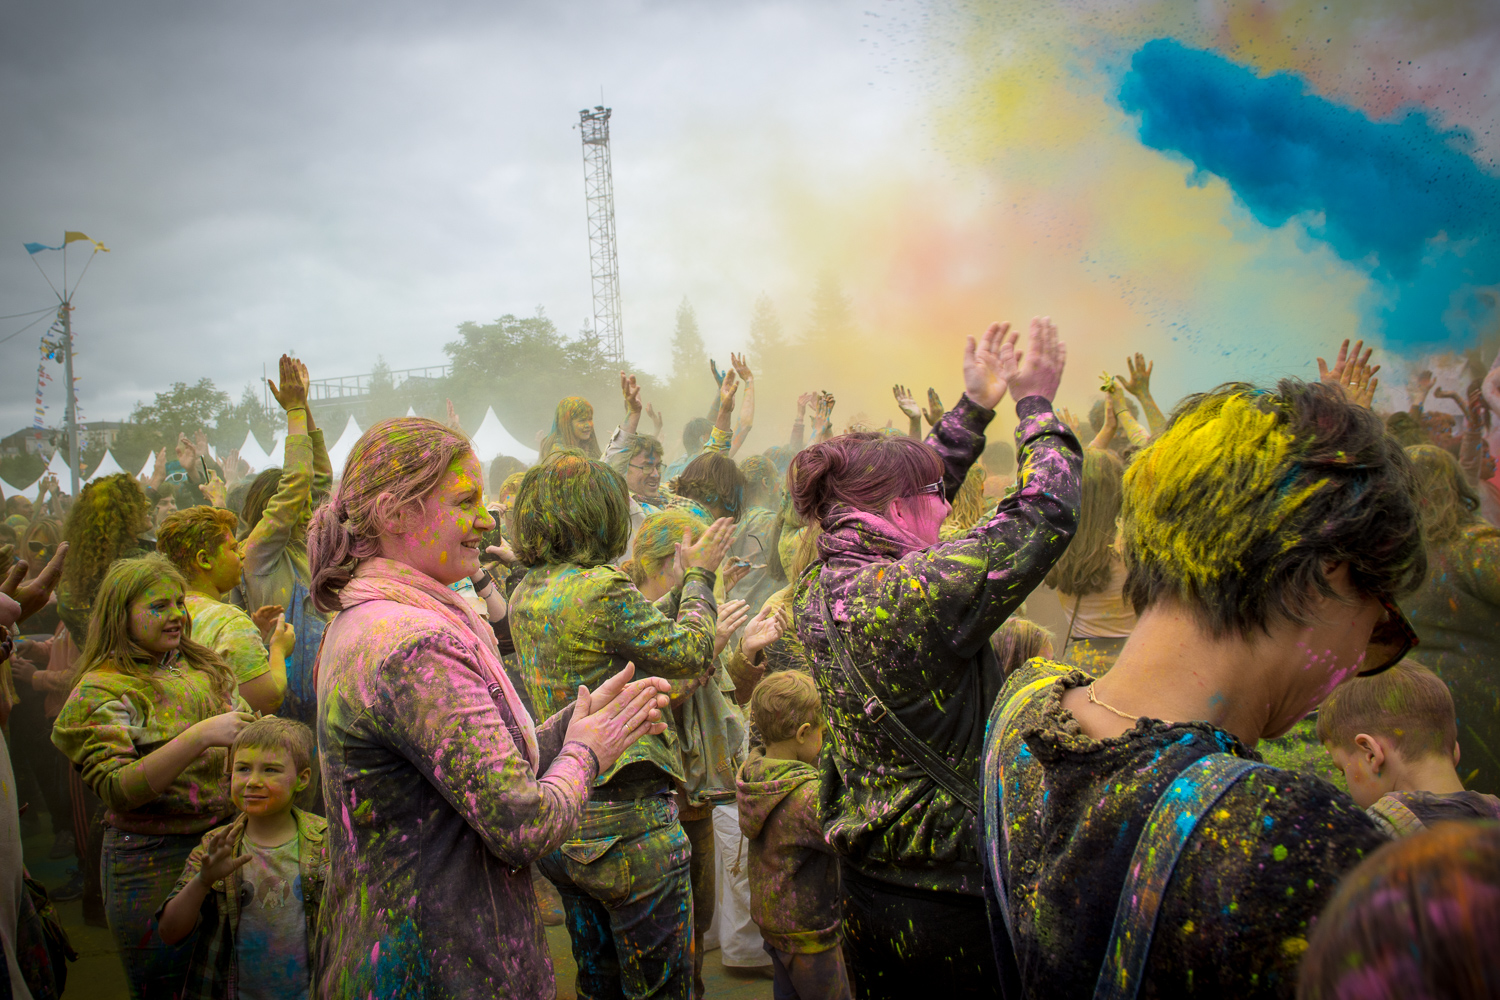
x: 713, y: 366
x: 741, y: 367
x: 803, y: 402
x: 1139, y: 382
x: 631, y: 392
x: 764, y: 629
x: 221, y: 861
x: 906, y: 401
x: 934, y: 411
x: 32, y: 594
x: 1352, y: 373
x: 708, y: 551
x: 657, y: 420
x: 728, y: 386
x: 1040, y: 368
x: 184, y: 451
x: 1419, y: 386
x: 452, y: 418
x: 989, y: 364
x: 200, y: 442
x: 214, y: 491
x: 264, y: 618
x: 732, y: 615
x: 293, y: 389
x: 823, y: 415
x: 619, y: 713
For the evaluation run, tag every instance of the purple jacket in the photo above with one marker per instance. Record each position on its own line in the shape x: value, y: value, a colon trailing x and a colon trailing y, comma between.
x: 918, y: 622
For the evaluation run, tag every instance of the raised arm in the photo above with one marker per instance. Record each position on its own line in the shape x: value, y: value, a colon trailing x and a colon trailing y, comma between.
x: 293, y: 496
x: 908, y: 404
x: 799, y: 426
x: 721, y: 437
x: 672, y: 647
x: 1139, y: 386
x: 747, y: 411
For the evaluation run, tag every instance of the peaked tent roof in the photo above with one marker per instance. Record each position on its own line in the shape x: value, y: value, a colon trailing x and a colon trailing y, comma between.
x: 107, y: 467
x: 339, y: 453
x: 410, y: 412
x: 149, y: 467
x: 492, y: 440
x: 253, y: 455
x: 58, y: 466
x: 21, y: 491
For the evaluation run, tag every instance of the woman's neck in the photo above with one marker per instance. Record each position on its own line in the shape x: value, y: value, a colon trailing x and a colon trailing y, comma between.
x: 1173, y: 669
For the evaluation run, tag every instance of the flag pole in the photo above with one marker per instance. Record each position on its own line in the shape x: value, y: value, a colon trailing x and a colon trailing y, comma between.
x: 72, y: 396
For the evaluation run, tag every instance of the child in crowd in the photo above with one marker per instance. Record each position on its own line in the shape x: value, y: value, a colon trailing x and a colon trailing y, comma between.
x: 1395, y: 738
x: 255, y: 883
x: 794, y: 875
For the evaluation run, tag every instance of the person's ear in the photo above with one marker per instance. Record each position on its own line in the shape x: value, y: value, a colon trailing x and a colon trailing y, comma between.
x: 1456, y: 753
x: 804, y: 732
x: 304, y: 778
x: 203, y: 560
x: 1372, y: 750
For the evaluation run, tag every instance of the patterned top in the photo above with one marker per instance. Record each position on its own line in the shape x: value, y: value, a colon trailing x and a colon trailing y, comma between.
x: 577, y: 625
x: 918, y: 622
x: 1234, y: 918
x: 114, y: 719
x: 214, y: 970
x: 228, y: 631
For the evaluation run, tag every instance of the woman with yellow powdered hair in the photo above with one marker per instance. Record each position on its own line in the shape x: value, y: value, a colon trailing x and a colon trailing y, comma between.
x: 572, y: 427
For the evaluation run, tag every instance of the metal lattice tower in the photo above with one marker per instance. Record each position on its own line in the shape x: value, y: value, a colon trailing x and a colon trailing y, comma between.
x: 599, y: 190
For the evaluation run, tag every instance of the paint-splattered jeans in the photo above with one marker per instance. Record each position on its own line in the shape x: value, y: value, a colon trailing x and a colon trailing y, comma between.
x: 138, y: 872
x: 628, y: 900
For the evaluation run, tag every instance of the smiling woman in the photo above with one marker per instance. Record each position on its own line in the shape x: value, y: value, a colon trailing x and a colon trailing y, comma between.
x: 443, y: 789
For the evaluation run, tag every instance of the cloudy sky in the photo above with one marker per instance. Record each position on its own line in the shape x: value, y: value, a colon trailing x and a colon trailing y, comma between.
x: 350, y: 180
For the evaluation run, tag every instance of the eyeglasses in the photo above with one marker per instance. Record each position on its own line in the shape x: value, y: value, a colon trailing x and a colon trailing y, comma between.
x: 936, y: 487
x: 1392, y: 639
x: 648, y: 467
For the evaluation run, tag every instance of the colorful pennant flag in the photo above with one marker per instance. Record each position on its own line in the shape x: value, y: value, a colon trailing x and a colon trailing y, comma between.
x: 38, y: 247
x: 74, y: 237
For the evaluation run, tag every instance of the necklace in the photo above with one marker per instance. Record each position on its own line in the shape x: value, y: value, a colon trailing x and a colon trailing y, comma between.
x: 1093, y: 699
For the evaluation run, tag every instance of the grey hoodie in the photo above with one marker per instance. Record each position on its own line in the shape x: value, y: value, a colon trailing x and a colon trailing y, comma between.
x: 794, y: 875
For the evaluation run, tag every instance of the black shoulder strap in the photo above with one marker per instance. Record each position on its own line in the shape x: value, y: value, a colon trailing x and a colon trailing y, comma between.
x: 955, y: 784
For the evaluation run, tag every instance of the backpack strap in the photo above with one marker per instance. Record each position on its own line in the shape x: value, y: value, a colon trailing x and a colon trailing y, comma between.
x: 1395, y: 818
x: 1169, y: 827
x: 938, y: 770
x: 995, y: 839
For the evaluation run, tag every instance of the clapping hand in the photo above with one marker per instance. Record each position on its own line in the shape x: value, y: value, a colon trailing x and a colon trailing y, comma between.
x: 907, y: 402
x: 1352, y: 373
x: 934, y: 411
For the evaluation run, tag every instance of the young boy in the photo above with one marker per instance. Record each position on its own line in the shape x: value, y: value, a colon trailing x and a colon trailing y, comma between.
x: 794, y: 875
x: 1395, y: 738
x: 200, y: 542
x: 256, y: 883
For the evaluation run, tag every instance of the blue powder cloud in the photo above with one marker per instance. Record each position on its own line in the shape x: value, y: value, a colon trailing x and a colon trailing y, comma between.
x: 1402, y: 200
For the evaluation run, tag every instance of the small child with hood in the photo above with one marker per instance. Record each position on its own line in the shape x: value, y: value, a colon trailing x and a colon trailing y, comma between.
x: 1395, y: 737
x: 795, y: 896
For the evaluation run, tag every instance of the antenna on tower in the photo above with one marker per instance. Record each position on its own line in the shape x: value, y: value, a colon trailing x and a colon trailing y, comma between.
x: 599, y: 191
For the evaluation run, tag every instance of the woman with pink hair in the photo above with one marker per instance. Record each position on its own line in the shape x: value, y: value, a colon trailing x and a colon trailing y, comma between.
x: 440, y: 791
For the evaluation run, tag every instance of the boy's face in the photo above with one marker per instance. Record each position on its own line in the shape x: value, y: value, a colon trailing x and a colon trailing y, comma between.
x: 264, y: 780
x: 1368, y: 773
x: 223, y: 566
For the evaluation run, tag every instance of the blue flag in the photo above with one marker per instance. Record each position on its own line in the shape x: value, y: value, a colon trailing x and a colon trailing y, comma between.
x: 38, y: 247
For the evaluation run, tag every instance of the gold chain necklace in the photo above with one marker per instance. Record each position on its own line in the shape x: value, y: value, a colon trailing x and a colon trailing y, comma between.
x: 1093, y: 699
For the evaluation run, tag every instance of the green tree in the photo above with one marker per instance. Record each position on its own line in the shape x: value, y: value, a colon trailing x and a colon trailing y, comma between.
x: 832, y: 318
x: 249, y: 414
x: 22, y: 470
x: 522, y: 367
x: 767, y: 335
x: 692, y: 381
x: 385, y: 400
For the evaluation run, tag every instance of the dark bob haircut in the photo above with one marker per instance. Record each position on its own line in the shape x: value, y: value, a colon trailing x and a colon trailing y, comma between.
x: 862, y: 471
x: 571, y: 509
x: 1240, y: 503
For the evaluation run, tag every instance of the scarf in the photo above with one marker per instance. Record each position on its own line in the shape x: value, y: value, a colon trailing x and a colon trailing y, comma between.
x: 380, y: 579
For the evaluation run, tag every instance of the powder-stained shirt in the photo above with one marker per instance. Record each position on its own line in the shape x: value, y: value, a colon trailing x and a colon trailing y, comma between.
x: 113, y: 719
x: 577, y: 625
x: 273, y: 925
x: 228, y: 631
x: 918, y: 623
x: 1236, y: 913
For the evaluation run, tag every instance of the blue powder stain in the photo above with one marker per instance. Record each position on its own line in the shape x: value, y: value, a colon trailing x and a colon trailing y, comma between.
x: 1401, y: 200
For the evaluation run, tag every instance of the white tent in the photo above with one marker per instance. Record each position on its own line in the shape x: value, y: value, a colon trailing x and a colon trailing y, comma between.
x: 339, y: 453
x: 410, y: 412
x: 107, y: 467
x: 492, y: 440
x: 252, y: 455
x: 29, y: 492
x: 278, y: 448
x: 149, y: 467
x: 59, y: 468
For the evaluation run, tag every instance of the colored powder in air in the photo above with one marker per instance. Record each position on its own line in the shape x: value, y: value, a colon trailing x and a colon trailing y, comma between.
x: 1400, y: 199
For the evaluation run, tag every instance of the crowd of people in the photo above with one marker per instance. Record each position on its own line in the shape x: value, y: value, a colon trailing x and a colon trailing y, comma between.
x: 365, y: 732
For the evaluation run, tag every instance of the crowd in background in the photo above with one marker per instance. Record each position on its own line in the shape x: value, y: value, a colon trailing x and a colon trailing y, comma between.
x: 366, y: 731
